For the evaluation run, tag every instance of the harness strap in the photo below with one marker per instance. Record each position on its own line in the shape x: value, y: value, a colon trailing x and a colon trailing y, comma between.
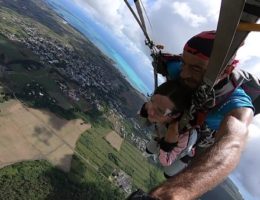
x: 201, y: 116
x: 222, y: 91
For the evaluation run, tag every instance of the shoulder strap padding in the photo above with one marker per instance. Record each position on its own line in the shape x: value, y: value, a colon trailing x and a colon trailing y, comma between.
x: 250, y: 84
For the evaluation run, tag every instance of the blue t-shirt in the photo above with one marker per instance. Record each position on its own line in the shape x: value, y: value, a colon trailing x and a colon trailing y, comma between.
x: 238, y: 99
x: 174, y: 69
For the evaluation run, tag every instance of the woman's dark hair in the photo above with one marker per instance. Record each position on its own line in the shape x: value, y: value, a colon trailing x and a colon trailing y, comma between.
x: 177, y: 93
x: 143, y: 111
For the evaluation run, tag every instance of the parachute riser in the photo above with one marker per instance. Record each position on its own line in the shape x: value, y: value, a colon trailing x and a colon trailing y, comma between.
x: 139, y: 22
x: 155, y: 49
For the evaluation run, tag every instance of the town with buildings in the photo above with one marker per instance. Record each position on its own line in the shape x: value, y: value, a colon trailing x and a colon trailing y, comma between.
x: 122, y: 180
x: 96, y: 83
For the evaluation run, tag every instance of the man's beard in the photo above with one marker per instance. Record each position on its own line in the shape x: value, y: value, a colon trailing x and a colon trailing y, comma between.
x: 187, y: 87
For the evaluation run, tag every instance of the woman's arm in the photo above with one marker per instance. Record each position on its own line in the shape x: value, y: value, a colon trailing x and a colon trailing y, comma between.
x: 173, y: 144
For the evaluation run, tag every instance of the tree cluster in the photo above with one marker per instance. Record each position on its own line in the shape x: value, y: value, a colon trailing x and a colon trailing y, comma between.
x: 39, y: 180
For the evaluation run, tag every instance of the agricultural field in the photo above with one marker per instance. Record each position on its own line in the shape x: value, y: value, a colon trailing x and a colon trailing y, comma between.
x: 32, y: 134
x: 29, y: 134
x: 104, y: 157
x: 114, y: 140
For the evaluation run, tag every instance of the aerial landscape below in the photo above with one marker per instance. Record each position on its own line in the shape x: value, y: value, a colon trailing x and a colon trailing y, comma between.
x: 68, y: 117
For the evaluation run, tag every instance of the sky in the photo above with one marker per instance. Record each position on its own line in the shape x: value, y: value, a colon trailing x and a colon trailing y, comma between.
x: 173, y: 22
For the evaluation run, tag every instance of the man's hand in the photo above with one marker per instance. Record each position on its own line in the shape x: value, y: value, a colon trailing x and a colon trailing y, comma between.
x: 213, y: 166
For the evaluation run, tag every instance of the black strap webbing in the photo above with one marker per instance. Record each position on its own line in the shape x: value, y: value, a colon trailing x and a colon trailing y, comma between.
x: 252, y: 9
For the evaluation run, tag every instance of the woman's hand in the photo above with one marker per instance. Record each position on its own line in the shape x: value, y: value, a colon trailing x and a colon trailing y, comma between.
x: 172, y: 133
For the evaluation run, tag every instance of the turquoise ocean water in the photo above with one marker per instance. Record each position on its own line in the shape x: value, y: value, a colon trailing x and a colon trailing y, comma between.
x: 94, y: 32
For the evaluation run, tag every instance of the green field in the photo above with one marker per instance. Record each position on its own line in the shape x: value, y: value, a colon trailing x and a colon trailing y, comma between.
x: 94, y: 147
x: 9, y: 25
x: 13, y: 51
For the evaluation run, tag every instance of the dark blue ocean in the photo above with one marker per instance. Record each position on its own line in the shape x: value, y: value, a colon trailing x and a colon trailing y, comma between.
x: 79, y: 19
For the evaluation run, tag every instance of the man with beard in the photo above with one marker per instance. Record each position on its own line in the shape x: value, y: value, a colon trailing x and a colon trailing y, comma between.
x: 229, y: 118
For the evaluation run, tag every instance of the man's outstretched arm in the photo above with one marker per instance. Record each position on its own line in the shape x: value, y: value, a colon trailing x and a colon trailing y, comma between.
x: 213, y: 166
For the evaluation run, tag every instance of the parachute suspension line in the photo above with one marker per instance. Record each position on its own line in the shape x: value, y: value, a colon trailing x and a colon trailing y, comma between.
x: 155, y: 77
x: 149, y: 42
x: 150, y: 24
x: 155, y: 50
x: 139, y: 11
x: 139, y: 7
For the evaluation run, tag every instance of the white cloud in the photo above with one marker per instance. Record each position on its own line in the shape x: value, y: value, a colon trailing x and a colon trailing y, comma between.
x: 104, y: 11
x: 172, y: 22
x: 252, y: 65
x: 247, y: 171
x: 249, y: 49
x: 249, y: 55
x: 114, y: 16
x: 211, y: 8
x: 184, y: 10
x: 175, y: 22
